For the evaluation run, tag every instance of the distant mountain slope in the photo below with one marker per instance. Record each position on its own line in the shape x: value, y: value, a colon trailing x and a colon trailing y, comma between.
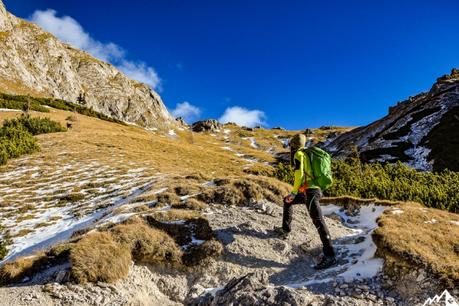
x: 422, y: 131
x: 35, y: 62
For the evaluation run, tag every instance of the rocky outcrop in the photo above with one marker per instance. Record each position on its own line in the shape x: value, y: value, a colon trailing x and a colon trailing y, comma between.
x: 251, y: 289
x: 35, y: 62
x: 422, y: 131
x: 209, y: 125
x: 181, y: 121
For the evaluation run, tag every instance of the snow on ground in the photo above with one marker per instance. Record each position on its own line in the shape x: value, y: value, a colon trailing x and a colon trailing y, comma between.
x: 396, y: 211
x: 357, y: 250
x: 245, y: 157
x: 253, y: 142
x: 48, y: 201
x: 284, y: 140
x: 432, y: 221
x: 9, y: 110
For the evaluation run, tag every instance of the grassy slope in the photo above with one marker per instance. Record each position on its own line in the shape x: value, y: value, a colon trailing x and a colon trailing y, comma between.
x: 92, y: 139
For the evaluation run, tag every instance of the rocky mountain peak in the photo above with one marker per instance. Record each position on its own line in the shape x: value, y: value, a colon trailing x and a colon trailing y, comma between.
x: 35, y: 62
x: 5, y: 24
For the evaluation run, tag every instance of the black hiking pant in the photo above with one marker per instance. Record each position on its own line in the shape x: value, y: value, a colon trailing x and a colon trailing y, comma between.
x: 311, y: 199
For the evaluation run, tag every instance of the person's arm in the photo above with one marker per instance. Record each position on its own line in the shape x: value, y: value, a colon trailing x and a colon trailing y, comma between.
x: 298, y: 172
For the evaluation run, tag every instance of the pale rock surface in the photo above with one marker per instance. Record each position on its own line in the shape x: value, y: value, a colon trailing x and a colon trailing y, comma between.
x: 35, y: 62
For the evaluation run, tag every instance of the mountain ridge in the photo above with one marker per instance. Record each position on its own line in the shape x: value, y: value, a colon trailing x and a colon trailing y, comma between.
x: 35, y: 62
x: 409, y: 132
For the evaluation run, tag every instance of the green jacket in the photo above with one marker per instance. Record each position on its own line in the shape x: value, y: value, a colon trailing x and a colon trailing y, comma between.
x: 303, y: 172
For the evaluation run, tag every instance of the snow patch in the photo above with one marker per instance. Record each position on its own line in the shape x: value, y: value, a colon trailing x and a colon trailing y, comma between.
x: 360, y: 257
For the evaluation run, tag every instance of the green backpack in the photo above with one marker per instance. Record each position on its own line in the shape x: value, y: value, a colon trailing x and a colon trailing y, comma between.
x: 321, y: 166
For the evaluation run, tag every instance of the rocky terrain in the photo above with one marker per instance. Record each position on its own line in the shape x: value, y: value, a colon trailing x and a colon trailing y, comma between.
x: 35, y: 62
x: 126, y: 172
x: 421, y: 131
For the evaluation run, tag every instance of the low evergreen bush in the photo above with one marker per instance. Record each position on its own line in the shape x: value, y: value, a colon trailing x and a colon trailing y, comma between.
x: 16, y: 135
x: 15, y: 142
x: 35, y: 126
x: 396, y: 182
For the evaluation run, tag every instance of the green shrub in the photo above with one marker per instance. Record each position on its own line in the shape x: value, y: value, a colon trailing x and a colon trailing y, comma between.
x: 13, y: 104
x: 37, y: 104
x: 15, y: 142
x: 16, y: 135
x: 389, y: 182
x: 3, y: 250
x: 34, y: 126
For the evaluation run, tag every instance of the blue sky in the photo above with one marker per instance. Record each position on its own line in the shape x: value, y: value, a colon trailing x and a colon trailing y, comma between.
x: 294, y: 64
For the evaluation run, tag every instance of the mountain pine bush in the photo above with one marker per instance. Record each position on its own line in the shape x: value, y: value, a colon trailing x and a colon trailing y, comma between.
x: 34, y: 126
x: 396, y: 182
x: 38, y: 104
x: 15, y: 142
x: 16, y: 135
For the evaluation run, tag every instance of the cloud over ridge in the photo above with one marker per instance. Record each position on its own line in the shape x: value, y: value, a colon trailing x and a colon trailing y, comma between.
x: 186, y: 110
x: 243, y: 116
x: 71, y: 31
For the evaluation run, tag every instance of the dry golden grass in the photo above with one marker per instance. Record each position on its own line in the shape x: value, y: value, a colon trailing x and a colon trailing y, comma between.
x: 21, y: 267
x: 414, y: 237
x: 175, y: 214
x: 147, y: 245
x: 198, y: 254
x: 242, y: 190
x: 97, y: 257
x: 194, y: 204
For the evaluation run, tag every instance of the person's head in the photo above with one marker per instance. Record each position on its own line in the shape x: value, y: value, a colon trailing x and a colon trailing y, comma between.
x: 296, y: 142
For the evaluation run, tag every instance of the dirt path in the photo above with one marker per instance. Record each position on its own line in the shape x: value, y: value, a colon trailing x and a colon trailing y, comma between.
x: 279, y: 266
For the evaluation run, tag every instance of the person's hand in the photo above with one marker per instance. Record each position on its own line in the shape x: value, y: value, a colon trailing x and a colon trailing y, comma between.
x: 289, y: 198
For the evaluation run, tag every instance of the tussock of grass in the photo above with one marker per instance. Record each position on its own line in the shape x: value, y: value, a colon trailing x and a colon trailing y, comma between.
x: 168, y: 198
x: 240, y: 191
x: 260, y: 169
x: 196, y: 254
x: 175, y: 214
x: 22, y: 267
x: 97, y: 257
x: 408, y: 238
x: 147, y: 245
x: 194, y: 204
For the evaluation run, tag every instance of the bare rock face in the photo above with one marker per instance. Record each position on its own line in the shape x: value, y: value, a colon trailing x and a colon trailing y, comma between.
x: 35, y: 62
x: 210, y: 125
x: 422, y: 131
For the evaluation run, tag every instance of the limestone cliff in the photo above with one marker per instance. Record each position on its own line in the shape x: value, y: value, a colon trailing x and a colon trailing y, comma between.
x: 35, y: 62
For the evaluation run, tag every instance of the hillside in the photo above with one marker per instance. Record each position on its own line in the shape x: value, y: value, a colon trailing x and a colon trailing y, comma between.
x: 422, y: 131
x: 35, y: 62
x: 116, y: 185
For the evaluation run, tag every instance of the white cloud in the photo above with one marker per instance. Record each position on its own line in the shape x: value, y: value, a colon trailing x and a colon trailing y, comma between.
x: 243, y: 116
x: 70, y: 31
x: 141, y: 72
x: 186, y: 110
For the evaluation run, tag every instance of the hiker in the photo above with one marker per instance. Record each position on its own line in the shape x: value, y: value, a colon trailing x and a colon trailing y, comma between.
x: 306, y: 190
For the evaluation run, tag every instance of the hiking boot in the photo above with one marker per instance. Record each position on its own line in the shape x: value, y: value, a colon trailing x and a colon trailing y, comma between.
x: 325, y: 263
x: 281, y: 233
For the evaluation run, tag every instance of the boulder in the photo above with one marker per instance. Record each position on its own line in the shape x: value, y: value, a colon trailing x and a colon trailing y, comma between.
x: 209, y: 125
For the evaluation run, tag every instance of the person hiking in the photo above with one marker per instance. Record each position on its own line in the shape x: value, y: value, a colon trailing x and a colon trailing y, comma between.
x: 307, y: 191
